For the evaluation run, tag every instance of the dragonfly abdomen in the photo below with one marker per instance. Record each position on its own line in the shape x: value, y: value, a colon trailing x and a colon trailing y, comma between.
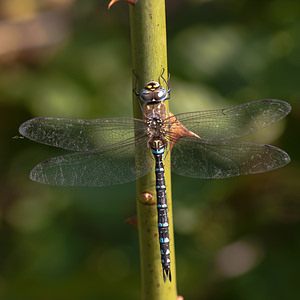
x: 162, y: 210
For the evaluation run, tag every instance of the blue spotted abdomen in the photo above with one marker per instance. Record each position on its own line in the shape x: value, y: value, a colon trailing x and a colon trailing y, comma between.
x: 162, y: 210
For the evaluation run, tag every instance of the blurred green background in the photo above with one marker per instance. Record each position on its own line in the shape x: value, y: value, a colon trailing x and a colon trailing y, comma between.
x: 236, y: 239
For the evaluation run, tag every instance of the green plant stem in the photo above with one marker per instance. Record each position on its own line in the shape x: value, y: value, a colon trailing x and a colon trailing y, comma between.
x: 149, y: 57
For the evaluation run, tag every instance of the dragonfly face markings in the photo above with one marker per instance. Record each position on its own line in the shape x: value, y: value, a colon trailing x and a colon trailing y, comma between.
x: 153, y: 92
x: 104, y: 149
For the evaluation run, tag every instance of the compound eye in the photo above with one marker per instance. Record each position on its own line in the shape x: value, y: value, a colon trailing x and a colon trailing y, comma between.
x: 146, y: 96
x: 161, y: 94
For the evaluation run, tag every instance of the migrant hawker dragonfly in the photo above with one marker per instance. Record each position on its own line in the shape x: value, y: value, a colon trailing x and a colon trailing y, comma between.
x: 201, y: 143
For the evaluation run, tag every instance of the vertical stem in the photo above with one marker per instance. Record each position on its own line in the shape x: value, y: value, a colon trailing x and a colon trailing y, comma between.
x: 149, y: 56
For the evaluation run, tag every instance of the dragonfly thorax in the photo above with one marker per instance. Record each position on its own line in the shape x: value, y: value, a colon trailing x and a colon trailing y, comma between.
x: 153, y: 92
x: 155, y: 129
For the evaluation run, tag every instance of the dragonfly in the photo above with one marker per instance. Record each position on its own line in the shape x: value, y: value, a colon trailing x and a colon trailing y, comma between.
x: 201, y: 144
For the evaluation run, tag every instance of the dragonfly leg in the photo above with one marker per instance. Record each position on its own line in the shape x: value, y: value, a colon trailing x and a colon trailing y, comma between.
x: 167, y: 82
x: 135, y: 90
x: 136, y: 84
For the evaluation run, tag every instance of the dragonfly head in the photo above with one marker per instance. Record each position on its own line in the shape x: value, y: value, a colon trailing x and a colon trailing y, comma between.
x: 153, y: 92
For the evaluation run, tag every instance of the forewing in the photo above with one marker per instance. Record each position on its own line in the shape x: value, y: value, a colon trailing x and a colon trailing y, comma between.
x: 82, y: 135
x: 194, y: 157
x: 95, y: 168
x: 236, y: 121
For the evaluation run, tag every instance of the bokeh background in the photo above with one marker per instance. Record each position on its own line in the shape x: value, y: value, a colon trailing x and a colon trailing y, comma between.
x: 236, y: 239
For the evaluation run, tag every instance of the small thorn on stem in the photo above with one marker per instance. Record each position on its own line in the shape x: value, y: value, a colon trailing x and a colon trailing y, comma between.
x: 178, y: 130
x: 133, y: 221
x: 115, y: 1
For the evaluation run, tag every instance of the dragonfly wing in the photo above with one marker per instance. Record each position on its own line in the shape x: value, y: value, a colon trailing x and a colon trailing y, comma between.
x: 82, y: 135
x: 236, y: 121
x: 194, y: 157
x: 94, y: 168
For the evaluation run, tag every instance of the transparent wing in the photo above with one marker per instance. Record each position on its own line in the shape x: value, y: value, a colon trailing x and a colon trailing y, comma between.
x: 194, y: 157
x: 236, y: 121
x: 82, y: 135
x: 95, y: 168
